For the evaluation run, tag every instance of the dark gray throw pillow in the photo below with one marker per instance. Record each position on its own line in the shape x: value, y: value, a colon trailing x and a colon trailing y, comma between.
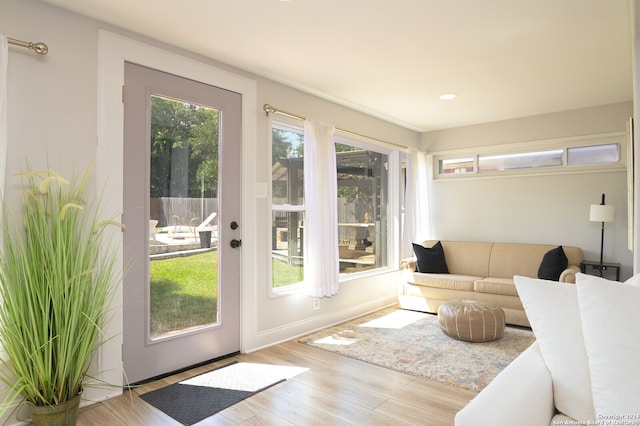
x: 432, y: 259
x: 553, y: 263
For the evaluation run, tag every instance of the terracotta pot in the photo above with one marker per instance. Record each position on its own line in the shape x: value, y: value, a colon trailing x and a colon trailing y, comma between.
x: 63, y: 414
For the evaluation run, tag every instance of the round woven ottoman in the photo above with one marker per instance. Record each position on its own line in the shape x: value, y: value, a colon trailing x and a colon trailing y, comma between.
x: 471, y: 320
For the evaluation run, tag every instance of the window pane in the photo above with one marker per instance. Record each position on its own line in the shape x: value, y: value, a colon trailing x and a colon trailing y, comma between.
x: 456, y: 165
x: 287, y: 183
x: 528, y: 160
x: 362, y: 208
x: 287, y: 166
x: 287, y: 237
x: 597, y: 154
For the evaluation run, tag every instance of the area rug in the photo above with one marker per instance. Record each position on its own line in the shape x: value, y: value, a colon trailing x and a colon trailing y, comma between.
x: 199, y: 397
x: 413, y: 343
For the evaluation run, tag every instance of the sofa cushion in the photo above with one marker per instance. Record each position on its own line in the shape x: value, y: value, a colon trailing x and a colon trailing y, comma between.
x: 553, y: 263
x: 466, y: 257
x: 447, y: 281
x: 509, y: 259
x: 610, y: 316
x: 554, y: 314
x: 431, y: 259
x: 504, y: 286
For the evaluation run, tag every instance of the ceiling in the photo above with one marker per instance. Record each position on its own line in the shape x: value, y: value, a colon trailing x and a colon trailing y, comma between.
x: 503, y: 58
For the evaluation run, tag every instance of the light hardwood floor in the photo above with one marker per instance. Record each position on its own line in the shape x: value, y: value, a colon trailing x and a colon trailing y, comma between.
x: 336, y: 390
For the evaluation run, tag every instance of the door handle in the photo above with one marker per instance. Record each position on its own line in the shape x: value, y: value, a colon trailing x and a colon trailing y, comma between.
x: 235, y: 243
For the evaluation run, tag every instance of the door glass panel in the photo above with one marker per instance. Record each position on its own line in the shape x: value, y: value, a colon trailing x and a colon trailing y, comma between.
x: 183, y: 190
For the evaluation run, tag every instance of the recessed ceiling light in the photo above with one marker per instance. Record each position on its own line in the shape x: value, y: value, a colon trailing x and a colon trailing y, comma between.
x: 448, y: 96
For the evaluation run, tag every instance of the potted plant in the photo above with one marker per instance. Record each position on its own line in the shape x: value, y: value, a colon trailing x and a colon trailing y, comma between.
x: 57, y: 279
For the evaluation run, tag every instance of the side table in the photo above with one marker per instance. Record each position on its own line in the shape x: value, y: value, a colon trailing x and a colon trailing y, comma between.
x: 594, y: 265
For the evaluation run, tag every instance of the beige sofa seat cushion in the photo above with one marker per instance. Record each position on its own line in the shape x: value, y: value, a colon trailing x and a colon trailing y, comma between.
x: 466, y: 258
x: 447, y: 281
x: 504, y: 286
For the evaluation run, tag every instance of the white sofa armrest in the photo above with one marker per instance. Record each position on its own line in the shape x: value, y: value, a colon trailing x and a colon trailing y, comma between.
x: 521, y: 394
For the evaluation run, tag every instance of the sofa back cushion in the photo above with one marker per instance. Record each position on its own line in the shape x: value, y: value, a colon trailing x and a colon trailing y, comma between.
x: 509, y: 259
x: 465, y: 257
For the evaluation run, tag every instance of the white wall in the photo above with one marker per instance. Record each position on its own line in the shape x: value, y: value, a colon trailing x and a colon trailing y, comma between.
x: 53, y: 110
x: 549, y: 209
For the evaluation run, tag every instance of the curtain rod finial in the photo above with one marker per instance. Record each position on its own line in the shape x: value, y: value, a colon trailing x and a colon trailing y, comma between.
x: 39, y: 47
x: 269, y: 108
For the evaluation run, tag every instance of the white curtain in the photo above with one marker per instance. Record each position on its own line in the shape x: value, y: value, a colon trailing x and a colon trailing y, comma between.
x: 4, y: 59
x: 417, y: 221
x: 321, y: 264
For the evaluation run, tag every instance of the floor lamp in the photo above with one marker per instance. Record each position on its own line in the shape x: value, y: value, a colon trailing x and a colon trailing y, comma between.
x: 601, y: 213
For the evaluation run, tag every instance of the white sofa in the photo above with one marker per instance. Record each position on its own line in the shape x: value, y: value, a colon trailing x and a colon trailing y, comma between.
x: 522, y: 391
x: 584, y: 366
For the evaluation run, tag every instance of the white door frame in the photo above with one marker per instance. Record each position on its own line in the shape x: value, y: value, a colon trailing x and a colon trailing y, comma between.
x: 113, y: 51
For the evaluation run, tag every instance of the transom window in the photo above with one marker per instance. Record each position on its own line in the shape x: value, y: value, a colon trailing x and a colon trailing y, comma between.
x: 563, y: 155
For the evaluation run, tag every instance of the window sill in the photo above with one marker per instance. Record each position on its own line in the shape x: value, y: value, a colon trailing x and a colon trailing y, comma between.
x: 299, y: 289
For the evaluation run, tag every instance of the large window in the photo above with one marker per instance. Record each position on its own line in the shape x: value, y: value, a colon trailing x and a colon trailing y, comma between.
x: 363, y: 205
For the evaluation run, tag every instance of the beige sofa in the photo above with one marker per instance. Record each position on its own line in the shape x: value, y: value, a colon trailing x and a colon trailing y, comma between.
x: 480, y: 271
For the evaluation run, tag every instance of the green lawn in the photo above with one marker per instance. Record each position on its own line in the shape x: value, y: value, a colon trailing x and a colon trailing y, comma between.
x: 284, y: 274
x: 184, y: 292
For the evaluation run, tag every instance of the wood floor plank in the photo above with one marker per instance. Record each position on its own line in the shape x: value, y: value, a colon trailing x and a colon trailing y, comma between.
x: 417, y: 412
x: 350, y: 390
x: 266, y: 419
x: 333, y: 402
x: 134, y: 411
x: 98, y: 415
x: 422, y: 388
x: 245, y: 410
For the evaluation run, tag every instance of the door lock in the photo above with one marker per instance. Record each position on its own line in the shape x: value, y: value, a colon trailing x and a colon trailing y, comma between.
x: 235, y: 243
x: 234, y: 225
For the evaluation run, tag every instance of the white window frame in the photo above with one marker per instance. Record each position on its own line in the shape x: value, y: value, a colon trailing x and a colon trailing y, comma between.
x: 294, y: 126
x: 619, y: 138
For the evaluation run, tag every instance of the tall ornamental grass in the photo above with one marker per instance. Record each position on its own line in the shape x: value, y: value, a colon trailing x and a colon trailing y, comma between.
x: 56, y: 282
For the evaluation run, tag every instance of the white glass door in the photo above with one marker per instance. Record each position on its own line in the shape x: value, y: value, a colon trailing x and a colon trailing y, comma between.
x: 182, y: 250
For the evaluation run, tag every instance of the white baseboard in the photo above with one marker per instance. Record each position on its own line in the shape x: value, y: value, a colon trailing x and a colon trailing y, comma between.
x: 275, y: 336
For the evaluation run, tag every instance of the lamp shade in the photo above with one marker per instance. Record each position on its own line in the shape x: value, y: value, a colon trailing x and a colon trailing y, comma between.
x: 601, y: 213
